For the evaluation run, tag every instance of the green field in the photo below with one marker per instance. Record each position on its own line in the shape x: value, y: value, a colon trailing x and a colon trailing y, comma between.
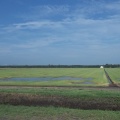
x: 114, y: 74
x: 8, y: 112
x: 97, y: 75
x: 64, y: 92
x: 59, y: 99
x: 99, y: 104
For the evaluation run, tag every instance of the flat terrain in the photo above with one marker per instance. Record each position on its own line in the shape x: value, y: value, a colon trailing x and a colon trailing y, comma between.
x: 87, y: 76
x: 64, y: 97
x: 114, y: 74
x: 89, y: 98
x: 9, y: 112
x: 59, y: 103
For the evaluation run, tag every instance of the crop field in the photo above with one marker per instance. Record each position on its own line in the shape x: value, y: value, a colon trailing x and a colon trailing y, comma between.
x: 53, y: 77
x: 58, y: 94
x: 114, y: 74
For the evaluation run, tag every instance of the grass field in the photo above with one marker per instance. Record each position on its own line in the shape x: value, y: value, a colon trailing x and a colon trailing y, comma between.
x: 58, y: 104
x: 28, y: 100
x: 64, y: 97
x: 9, y: 112
x: 97, y: 75
x: 64, y: 92
x: 114, y: 74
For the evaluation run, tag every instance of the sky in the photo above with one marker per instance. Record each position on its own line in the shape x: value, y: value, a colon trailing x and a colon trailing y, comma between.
x: 71, y: 32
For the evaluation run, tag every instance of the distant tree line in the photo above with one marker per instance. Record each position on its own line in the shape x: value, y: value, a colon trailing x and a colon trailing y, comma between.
x: 112, y: 66
x: 60, y: 66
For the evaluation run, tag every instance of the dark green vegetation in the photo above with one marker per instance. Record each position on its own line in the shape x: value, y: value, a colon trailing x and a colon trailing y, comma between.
x: 60, y: 66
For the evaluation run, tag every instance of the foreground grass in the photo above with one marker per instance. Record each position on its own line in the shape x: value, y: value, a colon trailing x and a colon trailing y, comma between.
x: 97, y: 75
x: 9, y: 112
x: 70, y: 98
x: 75, y: 96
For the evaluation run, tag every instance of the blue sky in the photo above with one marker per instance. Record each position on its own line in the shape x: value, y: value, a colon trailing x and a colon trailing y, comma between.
x: 59, y: 32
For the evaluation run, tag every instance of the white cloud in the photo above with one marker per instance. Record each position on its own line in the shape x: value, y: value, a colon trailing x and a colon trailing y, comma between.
x: 37, y: 25
x: 74, y: 32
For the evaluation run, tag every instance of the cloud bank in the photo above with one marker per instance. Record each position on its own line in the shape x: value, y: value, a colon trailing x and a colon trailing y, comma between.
x: 86, y: 33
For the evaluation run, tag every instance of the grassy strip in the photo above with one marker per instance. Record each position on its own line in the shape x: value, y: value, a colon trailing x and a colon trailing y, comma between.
x: 83, y: 99
x: 70, y: 92
x: 9, y: 112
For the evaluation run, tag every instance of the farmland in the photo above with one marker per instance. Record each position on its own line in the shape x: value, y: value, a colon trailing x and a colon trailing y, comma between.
x: 43, y: 103
x: 58, y: 93
x: 114, y: 74
x: 87, y: 77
